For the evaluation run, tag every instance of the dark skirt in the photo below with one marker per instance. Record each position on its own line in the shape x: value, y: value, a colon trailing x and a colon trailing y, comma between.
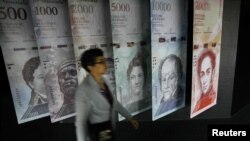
x: 101, y: 131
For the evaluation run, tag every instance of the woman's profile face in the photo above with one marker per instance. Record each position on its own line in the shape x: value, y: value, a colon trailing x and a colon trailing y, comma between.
x: 99, y: 66
x: 136, y: 79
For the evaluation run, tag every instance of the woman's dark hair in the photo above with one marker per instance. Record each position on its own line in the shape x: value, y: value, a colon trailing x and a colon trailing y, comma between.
x: 88, y: 57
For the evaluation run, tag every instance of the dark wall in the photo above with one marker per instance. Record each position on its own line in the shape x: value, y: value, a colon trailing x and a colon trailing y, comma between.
x: 242, y: 74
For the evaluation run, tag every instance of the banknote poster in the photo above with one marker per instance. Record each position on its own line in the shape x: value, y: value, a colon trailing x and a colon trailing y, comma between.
x: 90, y: 25
x: 55, y: 46
x: 169, y: 45
x: 207, y: 28
x: 129, y: 20
x: 20, y: 53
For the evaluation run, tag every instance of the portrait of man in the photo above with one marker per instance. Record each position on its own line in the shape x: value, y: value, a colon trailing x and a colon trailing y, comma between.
x: 170, y: 75
x: 33, y: 76
x: 67, y: 79
x: 205, y: 71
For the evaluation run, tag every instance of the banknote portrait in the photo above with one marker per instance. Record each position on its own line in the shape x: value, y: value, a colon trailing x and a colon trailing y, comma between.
x: 206, y: 54
x: 67, y: 80
x: 169, y: 54
x: 129, y: 33
x: 111, y: 71
x: 20, y: 52
x: 90, y: 29
x: 205, y: 71
x: 135, y: 76
x: 170, y: 74
x: 33, y: 76
x: 55, y: 43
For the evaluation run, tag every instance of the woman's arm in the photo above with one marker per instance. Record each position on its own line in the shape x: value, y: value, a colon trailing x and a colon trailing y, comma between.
x: 119, y: 108
x: 83, y: 108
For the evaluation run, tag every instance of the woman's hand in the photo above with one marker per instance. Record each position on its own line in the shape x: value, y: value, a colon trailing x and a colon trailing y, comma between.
x: 134, y: 123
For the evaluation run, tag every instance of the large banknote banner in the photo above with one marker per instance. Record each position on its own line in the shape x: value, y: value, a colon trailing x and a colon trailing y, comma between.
x: 206, y: 54
x: 90, y: 25
x: 55, y: 46
x: 18, y: 44
x: 130, y: 24
x: 168, y: 34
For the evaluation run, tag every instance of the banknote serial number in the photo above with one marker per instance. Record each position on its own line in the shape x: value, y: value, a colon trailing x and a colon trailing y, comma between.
x: 86, y: 9
x: 161, y: 6
x: 120, y: 7
x: 45, y: 10
x: 12, y: 13
x: 201, y: 5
